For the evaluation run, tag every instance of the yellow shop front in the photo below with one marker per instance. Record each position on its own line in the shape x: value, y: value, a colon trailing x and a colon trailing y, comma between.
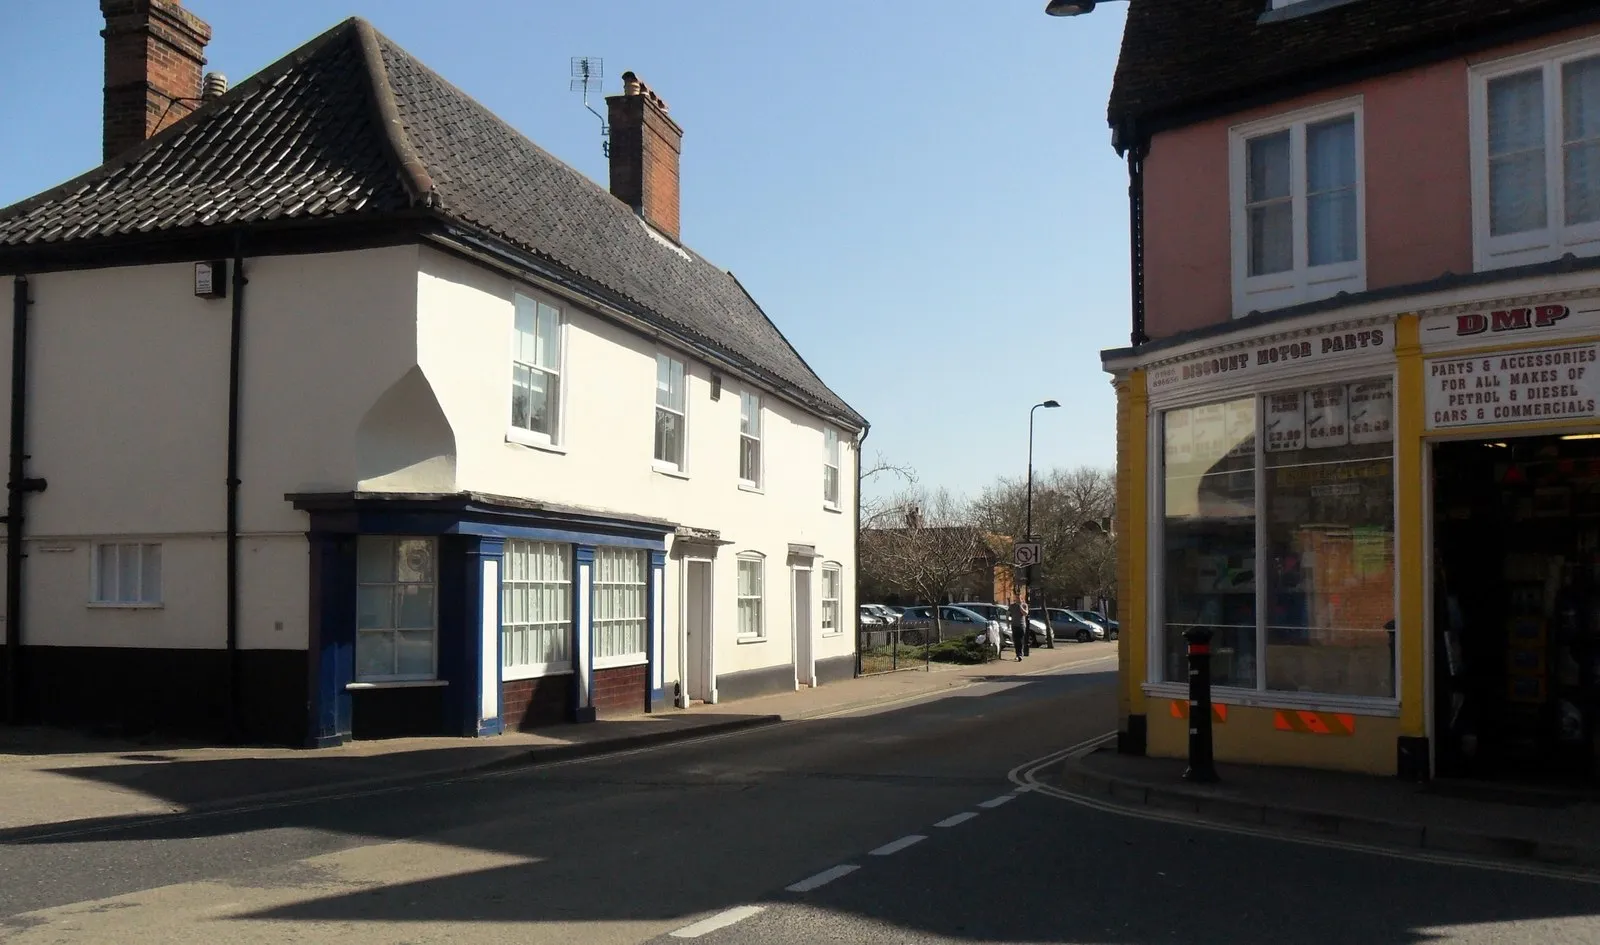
x: 1390, y: 525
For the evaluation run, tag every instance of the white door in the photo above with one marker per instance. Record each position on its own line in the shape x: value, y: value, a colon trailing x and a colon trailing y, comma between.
x: 805, y: 666
x: 697, y: 631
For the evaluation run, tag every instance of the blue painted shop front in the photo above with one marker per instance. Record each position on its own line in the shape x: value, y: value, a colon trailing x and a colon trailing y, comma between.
x: 406, y: 629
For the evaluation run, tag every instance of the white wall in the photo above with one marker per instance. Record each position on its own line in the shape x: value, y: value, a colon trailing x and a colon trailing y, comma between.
x: 464, y: 346
x: 128, y: 381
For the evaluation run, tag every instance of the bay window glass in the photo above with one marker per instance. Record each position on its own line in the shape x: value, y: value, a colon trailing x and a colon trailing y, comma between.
x: 1209, y: 497
x: 536, y: 609
x: 396, y: 614
x: 620, y: 577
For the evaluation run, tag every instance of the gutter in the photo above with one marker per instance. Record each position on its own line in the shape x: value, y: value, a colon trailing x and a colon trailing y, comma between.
x: 17, y: 488
x: 235, y: 344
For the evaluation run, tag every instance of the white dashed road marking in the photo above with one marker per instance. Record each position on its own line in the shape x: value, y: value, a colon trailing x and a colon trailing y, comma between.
x: 997, y: 801
x: 719, y: 921
x: 960, y: 818
x: 823, y: 878
x: 898, y: 845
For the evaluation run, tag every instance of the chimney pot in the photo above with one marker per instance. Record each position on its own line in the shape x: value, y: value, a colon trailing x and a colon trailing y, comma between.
x: 154, y: 56
x: 645, y: 145
x: 213, y: 86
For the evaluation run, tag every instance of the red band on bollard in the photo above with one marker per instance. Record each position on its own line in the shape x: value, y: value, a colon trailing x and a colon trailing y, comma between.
x: 1200, y: 649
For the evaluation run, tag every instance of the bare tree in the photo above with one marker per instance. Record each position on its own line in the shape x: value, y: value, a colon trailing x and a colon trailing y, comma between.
x: 932, y: 549
x: 1072, y: 511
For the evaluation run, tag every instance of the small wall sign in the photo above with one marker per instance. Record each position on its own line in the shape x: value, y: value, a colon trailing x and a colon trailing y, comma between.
x: 1516, y: 387
x: 211, y: 279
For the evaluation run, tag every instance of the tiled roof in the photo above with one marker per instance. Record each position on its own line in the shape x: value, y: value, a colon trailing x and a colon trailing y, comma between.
x: 1179, y: 55
x: 351, y: 126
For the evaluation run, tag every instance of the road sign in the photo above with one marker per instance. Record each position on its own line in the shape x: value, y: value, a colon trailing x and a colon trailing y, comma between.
x: 1027, y: 554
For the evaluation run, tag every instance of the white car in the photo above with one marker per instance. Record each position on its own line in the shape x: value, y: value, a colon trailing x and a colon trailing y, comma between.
x: 1037, y: 633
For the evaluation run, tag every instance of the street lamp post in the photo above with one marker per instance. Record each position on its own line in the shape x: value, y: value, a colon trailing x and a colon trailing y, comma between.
x: 1070, y: 7
x: 1027, y: 532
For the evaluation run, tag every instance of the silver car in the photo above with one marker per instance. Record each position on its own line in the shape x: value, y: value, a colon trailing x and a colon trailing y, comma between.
x: 999, y: 612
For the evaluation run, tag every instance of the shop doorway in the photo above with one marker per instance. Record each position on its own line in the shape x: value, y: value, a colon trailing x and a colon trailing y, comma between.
x: 1516, y: 609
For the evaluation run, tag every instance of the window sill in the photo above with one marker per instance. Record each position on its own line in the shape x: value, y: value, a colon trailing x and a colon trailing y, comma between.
x: 618, y: 662
x: 534, y: 441
x: 106, y: 605
x: 751, y: 488
x: 515, y: 673
x: 1310, y: 702
x: 743, y: 640
x: 832, y: 507
x: 399, y: 684
x: 832, y: 633
x: 669, y: 470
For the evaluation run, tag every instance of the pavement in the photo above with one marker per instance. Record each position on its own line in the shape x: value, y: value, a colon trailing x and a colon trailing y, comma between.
x: 58, y: 777
x: 1560, y: 828
x: 934, y: 819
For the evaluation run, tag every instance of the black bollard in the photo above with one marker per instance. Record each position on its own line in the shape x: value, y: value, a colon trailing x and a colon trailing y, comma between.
x: 1202, y: 766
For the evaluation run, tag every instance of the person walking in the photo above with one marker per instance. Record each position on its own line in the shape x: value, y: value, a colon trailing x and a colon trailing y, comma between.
x: 1019, y: 629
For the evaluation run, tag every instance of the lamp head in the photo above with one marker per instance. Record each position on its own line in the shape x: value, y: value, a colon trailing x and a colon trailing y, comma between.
x: 1069, y: 7
x: 1049, y: 403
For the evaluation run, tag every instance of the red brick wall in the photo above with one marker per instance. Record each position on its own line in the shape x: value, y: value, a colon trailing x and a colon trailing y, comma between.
x: 529, y: 703
x: 154, y: 57
x: 620, y: 691
x: 645, y: 145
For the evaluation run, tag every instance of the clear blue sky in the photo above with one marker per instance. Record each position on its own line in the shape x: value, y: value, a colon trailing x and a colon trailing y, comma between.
x: 922, y: 195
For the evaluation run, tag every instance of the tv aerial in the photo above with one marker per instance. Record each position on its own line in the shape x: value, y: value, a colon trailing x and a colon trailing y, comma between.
x: 587, y: 71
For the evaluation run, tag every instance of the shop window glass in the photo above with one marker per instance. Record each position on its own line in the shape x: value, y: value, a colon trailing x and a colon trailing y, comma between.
x: 1328, y: 501
x: 1209, y: 455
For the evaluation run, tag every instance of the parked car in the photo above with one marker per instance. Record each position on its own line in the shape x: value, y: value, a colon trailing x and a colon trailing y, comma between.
x: 1036, y: 627
x: 1066, y: 623
x: 958, y: 621
x: 887, y: 614
x: 868, y: 617
x: 1100, y: 620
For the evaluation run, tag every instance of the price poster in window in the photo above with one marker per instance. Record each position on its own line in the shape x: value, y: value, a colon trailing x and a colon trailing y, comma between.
x: 1241, y: 427
x: 1286, y: 422
x: 1371, y: 412
x: 1327, y: 417
x: 1210, y: 432
x: 1180, y: 441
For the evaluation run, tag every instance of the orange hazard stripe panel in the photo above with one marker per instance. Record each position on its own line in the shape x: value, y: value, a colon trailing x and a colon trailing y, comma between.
x: 1180, y: 710
x: 1314, y: 723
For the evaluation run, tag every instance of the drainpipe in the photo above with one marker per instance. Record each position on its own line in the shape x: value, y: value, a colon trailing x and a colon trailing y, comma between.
x: 1134, y: 146
x: 17, y: 488
x: 235, y: 338
x: 853, y: 616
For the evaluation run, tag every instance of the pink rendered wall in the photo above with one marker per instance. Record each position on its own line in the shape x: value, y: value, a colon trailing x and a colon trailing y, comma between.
x: 1418, y: 191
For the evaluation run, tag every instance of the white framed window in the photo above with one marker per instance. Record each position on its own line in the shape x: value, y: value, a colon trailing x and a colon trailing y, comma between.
x: 397, y: 617
x: 536, y: 610
x: 1299, y: 208
x: 536, y: 350
x: 126, y: 574
x: 752, y: 579
x: 1536, y: 156
x: 830, y: 468
x: 832, y: 590
x: 672, y: 418
x: 750, y: 440
x: 620, y: 607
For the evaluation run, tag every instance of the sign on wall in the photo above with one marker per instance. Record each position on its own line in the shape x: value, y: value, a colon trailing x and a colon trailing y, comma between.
x: 1312, y: 349
x: 1517, y: 387
x: 1511, y: 323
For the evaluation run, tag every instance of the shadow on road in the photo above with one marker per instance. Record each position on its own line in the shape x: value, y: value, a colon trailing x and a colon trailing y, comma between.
x: 708, y: 825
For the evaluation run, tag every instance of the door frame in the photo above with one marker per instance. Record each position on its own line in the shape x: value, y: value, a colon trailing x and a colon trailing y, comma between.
x: 809, y: 679
x: 708, y: 647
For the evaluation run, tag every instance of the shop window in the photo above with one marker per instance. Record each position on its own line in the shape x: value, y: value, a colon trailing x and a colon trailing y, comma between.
x: 536, y: 610
x: 620, y: 606
x: 1312, y: 609
x: 1329, y: 511
x: 1210, y: 536
x: 396, y: 613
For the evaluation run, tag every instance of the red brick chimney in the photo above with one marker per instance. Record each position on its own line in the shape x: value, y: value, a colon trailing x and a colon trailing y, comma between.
x: 154, y: 54
x: 645, y: 144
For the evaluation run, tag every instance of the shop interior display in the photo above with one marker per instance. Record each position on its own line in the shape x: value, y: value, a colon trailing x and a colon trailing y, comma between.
x: 1517, y: 608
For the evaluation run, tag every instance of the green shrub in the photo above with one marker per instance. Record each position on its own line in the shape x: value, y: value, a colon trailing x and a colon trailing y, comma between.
x: 966, y: 652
